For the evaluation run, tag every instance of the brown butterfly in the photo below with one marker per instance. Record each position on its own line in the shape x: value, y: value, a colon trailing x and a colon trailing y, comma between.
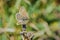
x: 22, y: 16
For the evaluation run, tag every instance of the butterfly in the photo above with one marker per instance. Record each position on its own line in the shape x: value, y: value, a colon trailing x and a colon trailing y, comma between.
x: 22, y: 16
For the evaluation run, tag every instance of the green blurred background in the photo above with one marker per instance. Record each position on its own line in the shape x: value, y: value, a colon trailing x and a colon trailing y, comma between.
x: 44, y: 19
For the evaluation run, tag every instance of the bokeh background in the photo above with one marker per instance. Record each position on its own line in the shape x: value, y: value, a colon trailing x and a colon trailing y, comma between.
x: 44, y: 19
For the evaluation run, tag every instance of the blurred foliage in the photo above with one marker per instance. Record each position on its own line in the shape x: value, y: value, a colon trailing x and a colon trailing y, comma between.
x: 44, y: 18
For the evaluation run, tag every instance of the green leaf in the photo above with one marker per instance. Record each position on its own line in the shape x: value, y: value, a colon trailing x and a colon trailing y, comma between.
x: 58, y: 8
x: 40, y: 26
x: 4, y: 37
x: 1, y: 22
